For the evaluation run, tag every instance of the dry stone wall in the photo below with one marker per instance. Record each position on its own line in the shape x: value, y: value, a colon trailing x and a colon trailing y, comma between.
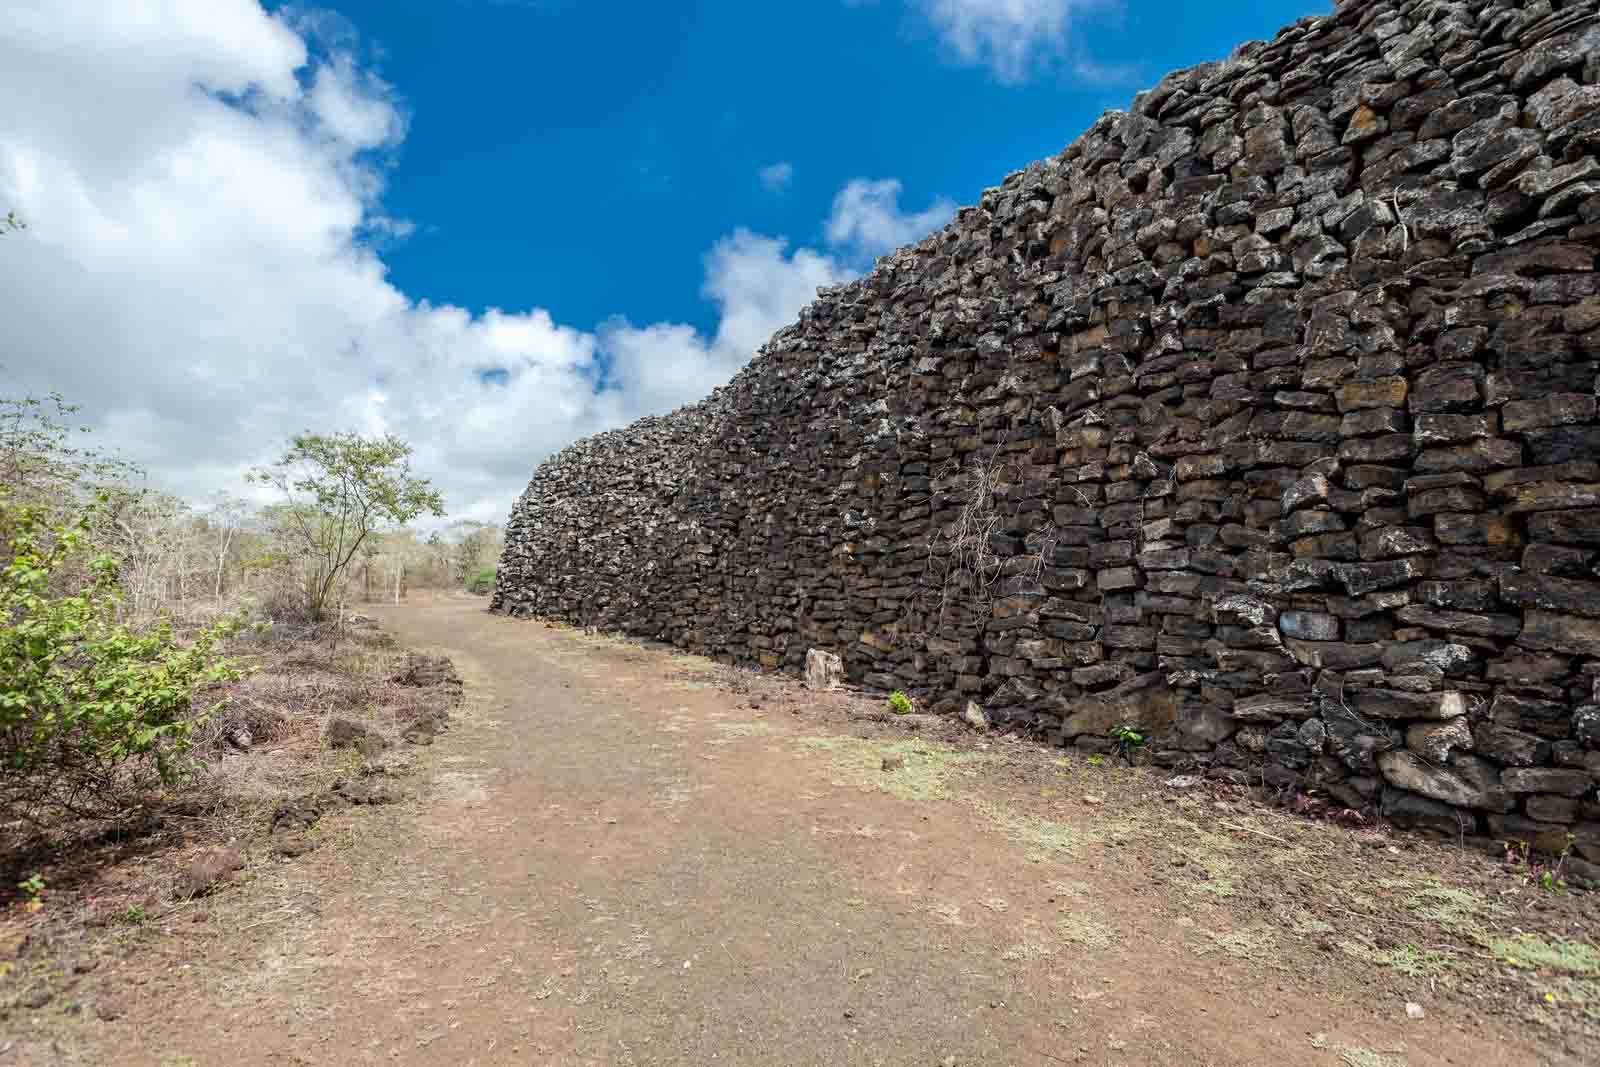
x: 1262, y: 417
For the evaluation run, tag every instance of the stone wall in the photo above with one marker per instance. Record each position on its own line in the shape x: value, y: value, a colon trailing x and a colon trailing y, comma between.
x: 1264, y: 416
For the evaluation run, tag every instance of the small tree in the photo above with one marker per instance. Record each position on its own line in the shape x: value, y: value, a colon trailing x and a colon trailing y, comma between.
x: 478, y: 545
x: 396, y: 555
x: 339, y: 490
x: 224, y: 520
x: 41, y: 462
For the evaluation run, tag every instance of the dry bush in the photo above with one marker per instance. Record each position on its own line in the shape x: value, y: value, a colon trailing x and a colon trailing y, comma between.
x: 962, y: 565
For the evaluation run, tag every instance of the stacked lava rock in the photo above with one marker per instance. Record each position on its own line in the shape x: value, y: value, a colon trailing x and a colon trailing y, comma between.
x: 1262, y: 418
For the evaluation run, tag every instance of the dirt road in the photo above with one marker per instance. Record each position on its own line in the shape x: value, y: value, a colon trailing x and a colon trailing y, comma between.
x: 617, y: 860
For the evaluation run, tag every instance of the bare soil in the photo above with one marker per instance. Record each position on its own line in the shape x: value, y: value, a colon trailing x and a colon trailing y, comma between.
x: 623, y: 855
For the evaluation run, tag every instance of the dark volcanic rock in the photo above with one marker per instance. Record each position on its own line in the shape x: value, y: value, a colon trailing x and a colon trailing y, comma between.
x: 1271, y: 401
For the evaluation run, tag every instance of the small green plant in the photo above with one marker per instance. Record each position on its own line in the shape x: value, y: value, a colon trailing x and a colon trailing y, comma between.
x: 135, y: 915
x: 1549, y: 875
x: 350, y: 766
x: 1128, y: 741
x: 481, y: 583
x: 899, y: 703
x: 34, y: 889
x: 1097, y: 760
x: 1531, y: 952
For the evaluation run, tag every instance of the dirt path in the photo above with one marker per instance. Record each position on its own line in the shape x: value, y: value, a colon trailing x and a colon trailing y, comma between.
x: 621, y: 863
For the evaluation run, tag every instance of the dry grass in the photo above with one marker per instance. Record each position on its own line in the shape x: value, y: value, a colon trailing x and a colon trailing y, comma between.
x: 106, y: 879
x: 924, y: 773
x: 1084, y: 931
x: 961, y: 561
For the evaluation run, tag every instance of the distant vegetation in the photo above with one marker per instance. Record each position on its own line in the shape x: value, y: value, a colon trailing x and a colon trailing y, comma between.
x: 117, y: 601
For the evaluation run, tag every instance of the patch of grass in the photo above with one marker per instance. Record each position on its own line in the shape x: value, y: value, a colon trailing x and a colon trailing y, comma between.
x: 1027, y: 949
x: 1240, y: 944
x: 1080, y: 930
x: 1294, y: 856
x: 1042, y: 834
x: 1356, y: 1056
x: 1581, y: 995
x: 1051, y: 838
x: 343, y: 838
x: 1533, y: 952
x: 1208, y: 852
x: 924, y: 775
x: 828, y: 744
x: 1408, y: 959
x: 1361, y: 902
x: 1460, y: 911
x: 743, y: 729
x: 1456, y: 912
x: 1302, y: 922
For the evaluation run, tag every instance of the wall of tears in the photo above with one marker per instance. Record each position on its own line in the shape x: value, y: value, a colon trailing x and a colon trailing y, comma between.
x: 1263, y: 417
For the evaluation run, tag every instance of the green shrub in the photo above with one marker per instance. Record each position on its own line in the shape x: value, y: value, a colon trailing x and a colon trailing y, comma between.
x: 899, y: 703
x: 81, y: 694
x: 482, y: 582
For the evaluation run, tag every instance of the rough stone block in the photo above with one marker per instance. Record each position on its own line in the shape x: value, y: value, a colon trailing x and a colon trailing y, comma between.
x: 1563, y: 781
x: 1560, y: 633
x: 1547, y: 808
x: 823, y: 671
x: 1413, y: 812
x: 1434, y: 741
x: 1309, y: 625
x: 1553, y: 409
x: 1510, y: 746
x: 1467, y: 782
x: 1394, y: 704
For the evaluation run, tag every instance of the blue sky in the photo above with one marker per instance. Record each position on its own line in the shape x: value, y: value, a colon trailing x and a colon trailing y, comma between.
x: 491, y: 226
x: 584, y: 155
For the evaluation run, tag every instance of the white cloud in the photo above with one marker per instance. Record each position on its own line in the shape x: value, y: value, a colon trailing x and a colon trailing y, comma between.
x: 1099, y: 75
x: 201, y: 273
x: 356, y: 106
x: 757, y: 286
x: 778, y: 176
x: 1013, y: 38
x: 867, y: 217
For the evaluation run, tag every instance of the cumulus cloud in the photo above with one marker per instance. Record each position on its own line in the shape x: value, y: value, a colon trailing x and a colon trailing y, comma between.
x: 203, y: 182
x: 867, y: 219
x: 757, y: 285
x: 777, y: 176
x: 1013, y: 38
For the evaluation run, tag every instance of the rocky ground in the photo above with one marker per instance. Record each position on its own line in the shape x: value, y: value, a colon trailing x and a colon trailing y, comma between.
x: 621, y: 854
